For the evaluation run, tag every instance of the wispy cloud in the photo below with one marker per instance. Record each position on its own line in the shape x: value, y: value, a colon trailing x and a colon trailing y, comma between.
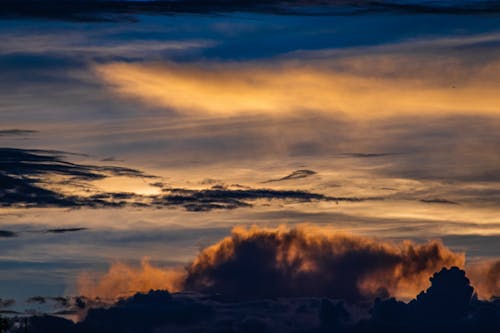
x: 85, y: 45
x: 16, y: 132
x: 280, y: 88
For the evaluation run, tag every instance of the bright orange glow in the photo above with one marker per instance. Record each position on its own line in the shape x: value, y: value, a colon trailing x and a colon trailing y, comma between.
x: 122, y: 280
x: 281, y: 88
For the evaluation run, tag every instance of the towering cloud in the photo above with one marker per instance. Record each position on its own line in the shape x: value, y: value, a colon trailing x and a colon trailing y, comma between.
x: 307, y: 261
x: 289, y: 262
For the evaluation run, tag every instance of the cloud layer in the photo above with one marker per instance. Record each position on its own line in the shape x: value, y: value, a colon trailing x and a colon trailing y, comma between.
x: 285, y: 262
x: 306, y: 261
x: 448, y: 305
x: 340, y: 87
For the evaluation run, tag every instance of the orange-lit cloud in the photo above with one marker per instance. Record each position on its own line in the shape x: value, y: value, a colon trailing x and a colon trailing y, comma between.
x: 123, y: 280
x: 393, y: 87
x: 309, y: 261
x: 485, y: 277
x: 299, y: 261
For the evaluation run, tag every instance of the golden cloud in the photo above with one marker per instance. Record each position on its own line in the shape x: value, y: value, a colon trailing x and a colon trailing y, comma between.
x: 394, y: 86
x: 123, y: 280
x: 299, y: 261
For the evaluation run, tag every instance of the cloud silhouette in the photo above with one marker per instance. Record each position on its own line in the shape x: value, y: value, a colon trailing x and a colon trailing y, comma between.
x: 228, y: 198
x: 7, y: 234
x: 16, y: 132
x: 297, y: 174
x: 64, y: 230
x: 306, y: 261
x: 287, y: 262
x: 448, y: 305
x: 5, y: 303
x: 302, y: 261
x: 23, y: 174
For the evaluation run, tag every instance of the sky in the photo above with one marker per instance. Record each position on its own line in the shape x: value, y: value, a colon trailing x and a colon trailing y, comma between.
x: 139, y: 148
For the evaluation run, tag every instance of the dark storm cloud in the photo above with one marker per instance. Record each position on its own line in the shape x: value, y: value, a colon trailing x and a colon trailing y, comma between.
x: 448, y: 305
x: 309, y: 262
x: 449, y: 300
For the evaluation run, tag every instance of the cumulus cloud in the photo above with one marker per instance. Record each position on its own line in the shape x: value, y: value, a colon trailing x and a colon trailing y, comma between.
x: 287, y: 262
x: 307, y: 261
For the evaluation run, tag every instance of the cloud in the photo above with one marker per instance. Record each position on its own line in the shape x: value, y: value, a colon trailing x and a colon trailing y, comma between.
x: 297, y: 174
x: 288, y: 262
x: 5, y: 303
x: 226, y: 198
x: 64, y: 230
x: 16, y: 132
x: 284, y: 87
x: 302, y: 261
x: 449, y: 302
x: 306, y: 261
x: 486, y: 277
x: 448, y: 305
x: 87, y: 47
x: 7, y: 234
x: 123, y: 280
x: 37, y: 300
x: 439, y: 201
x: 25, y: 174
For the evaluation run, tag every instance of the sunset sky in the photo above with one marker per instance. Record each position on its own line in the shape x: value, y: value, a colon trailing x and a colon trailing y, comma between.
x: 132, y: 143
